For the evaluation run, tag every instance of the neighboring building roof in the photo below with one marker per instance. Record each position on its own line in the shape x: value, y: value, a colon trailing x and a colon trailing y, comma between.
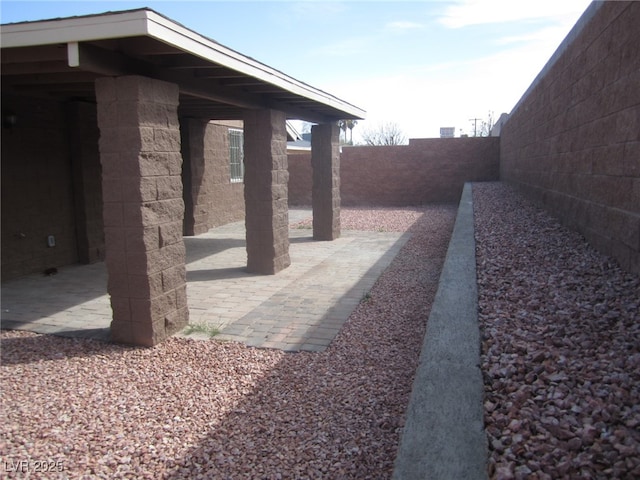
x: 447, y: 132
x: 302, y: 145
x: 497, y: 127
x: 292, y: 133
x: 62, y: 57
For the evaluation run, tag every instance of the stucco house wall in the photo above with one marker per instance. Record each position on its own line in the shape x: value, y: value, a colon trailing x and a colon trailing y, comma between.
x: 573, y: 142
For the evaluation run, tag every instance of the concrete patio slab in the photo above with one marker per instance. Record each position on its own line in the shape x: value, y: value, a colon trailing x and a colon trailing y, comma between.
x: 301, y: 308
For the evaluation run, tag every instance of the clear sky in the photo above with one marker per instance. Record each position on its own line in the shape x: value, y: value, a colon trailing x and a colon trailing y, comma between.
x: 420, y: 64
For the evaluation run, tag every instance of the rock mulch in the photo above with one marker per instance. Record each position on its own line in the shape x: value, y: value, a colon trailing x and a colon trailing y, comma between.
x: 207, y: 409
x: 560, y: 330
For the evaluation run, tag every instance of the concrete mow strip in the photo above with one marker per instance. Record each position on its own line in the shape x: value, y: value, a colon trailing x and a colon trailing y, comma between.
x: 443, y: 437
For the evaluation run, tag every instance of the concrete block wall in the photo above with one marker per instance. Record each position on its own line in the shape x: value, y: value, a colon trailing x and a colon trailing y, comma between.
x: 432, y: 170
x: 572, y: 143
x: 211, y: 199
x: 227, y: 198
x: 37, y: 190
x: 300, y: 178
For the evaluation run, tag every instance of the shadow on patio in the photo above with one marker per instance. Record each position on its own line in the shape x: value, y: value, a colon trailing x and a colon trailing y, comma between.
x: 302, y: 307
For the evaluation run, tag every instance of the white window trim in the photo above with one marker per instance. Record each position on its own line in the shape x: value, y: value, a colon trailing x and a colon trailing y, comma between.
x: 236, y: 131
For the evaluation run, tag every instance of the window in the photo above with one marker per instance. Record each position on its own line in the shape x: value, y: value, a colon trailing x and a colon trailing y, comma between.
x: 236, y: 154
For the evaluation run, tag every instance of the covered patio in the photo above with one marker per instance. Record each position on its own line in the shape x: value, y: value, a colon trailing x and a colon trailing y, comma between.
x: 134, y: 85
x: 301, y: 308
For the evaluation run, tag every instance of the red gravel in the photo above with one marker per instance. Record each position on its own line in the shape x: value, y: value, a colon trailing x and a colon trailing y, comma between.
x: 207, y: 409
x: 561, y: 347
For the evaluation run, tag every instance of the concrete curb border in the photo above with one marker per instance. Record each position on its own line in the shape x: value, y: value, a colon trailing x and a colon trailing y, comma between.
x: 444, y: 436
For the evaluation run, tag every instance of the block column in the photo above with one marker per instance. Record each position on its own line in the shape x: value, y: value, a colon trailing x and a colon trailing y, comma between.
x: 325, y: 193
x: 87, y: 180
x: 193, y: 175
x: 265, y: 191
x: 142, y: 207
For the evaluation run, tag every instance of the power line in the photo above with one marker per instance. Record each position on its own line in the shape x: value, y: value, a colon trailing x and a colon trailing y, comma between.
x: 475, y: 125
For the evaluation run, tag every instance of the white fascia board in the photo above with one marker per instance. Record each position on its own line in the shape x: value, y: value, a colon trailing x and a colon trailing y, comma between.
x: 187, y: 40
x: 149, y: 23
x: 74, y: 29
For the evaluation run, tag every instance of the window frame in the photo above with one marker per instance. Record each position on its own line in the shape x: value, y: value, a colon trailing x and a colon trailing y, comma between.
x: 236, y: 155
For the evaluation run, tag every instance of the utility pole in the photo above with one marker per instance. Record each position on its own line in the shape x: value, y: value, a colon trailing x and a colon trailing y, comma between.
x: 475, y: 125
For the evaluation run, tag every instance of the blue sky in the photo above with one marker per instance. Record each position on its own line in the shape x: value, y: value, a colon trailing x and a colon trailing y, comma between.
x: 419, y: 64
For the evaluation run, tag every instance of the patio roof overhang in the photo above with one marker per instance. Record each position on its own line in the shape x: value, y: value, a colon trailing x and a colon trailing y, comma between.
x: 61, y: 58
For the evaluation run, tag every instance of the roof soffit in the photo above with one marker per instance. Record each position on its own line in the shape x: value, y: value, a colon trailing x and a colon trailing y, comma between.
x: 146, y: 43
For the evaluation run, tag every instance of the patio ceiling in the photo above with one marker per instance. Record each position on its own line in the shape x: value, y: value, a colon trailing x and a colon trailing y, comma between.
x: 61, y: 58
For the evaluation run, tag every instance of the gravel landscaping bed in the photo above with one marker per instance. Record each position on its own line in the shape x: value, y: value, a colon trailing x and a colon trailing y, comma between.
x: 560, y: 347
x: 207, y: 409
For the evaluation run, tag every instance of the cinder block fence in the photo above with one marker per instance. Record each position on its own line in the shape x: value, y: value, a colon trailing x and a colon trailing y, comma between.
x: 572, y: 143
x: 430, y: 170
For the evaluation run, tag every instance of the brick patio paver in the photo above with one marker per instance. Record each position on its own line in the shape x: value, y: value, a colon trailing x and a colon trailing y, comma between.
x: 301, y: 308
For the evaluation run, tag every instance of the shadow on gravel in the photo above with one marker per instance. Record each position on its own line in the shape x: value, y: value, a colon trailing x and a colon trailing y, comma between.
x: 44, y: 348
x: 334, y: 414
x: 338, y: 413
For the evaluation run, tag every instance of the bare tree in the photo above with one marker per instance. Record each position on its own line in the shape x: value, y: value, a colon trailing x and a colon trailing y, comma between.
x: 388, y: 133
x: 483, y: 129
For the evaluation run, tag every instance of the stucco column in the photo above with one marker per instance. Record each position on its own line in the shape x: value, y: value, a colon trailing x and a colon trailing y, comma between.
x: 325, y: 193
x: 265, y: 191
x: 142, y: 207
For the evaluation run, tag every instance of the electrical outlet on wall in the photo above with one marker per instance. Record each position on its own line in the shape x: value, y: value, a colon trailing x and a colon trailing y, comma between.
x: 51, y: 241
